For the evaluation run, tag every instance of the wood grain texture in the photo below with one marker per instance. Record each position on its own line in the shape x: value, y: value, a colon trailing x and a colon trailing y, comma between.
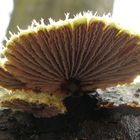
x: 83, y: 121
x: 101, y: 125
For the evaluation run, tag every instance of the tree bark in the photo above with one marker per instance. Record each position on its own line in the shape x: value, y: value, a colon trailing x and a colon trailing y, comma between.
x: 84, y: 120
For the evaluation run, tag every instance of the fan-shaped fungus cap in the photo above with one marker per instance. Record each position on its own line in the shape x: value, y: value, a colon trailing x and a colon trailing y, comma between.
x: 64, y: 57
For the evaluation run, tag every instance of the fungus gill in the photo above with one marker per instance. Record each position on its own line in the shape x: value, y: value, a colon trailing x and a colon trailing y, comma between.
x: 46, y: 63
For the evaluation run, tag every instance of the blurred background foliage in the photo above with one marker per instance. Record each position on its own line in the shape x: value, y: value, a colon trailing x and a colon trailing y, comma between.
x: 26, y: 10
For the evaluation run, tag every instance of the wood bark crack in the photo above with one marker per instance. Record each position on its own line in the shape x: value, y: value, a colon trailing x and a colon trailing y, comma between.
x: 83, y: 121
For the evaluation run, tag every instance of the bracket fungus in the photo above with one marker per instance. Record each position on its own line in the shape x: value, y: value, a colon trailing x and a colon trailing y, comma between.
x: 47, y: 63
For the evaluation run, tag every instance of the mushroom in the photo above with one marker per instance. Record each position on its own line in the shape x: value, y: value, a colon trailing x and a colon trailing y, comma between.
x: 44, y: 64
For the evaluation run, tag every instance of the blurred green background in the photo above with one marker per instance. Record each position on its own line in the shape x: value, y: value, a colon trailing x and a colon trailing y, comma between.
x: 26, y: 10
